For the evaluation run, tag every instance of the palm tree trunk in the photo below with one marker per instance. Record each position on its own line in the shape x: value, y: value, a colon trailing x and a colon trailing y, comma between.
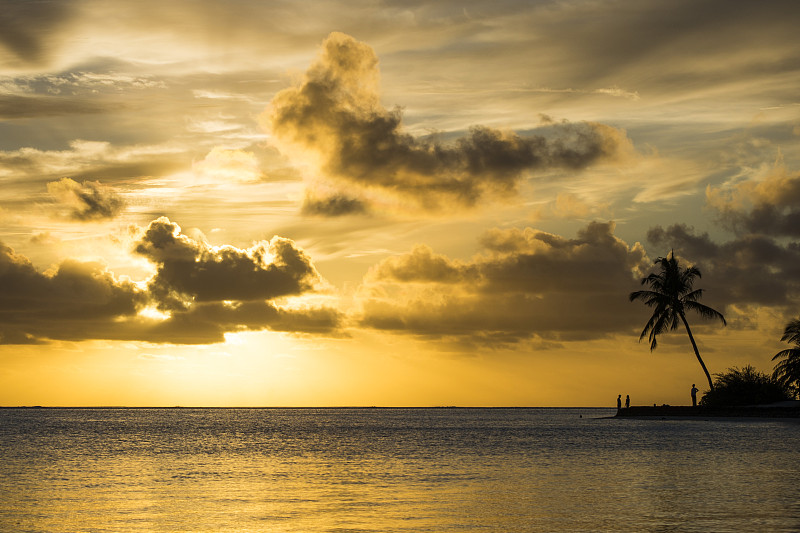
x: 697, y: 352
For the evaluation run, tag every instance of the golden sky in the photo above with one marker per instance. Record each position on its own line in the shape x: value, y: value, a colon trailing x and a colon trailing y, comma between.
x: 389, y: 203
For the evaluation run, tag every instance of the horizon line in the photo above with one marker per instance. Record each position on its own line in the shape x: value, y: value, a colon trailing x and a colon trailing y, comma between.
x: 294, y: 407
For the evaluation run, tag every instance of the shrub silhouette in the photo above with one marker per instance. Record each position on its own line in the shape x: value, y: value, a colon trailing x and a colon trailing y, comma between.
x: 746, y: 386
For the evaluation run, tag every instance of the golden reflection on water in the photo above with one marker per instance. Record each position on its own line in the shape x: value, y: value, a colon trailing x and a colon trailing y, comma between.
x: 444, y: 471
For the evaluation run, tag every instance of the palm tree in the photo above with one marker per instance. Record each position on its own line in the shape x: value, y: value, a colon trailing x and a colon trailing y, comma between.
x: 787, y: 372
x: 671, y: 294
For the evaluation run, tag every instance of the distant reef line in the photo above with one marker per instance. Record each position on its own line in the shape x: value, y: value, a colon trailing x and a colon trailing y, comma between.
x: 784, y: 410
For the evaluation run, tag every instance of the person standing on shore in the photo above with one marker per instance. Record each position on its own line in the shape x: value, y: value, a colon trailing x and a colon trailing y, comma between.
x: 619, y: 401
x: 694, y: 395
x: 627, y: 401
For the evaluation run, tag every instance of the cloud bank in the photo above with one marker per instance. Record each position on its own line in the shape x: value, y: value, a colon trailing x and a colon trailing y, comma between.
x: 748, y: 270
x: 760, y: 264
x: 525, y: 284
x: 74, y: 301
x: 335, y: 113
x: 201, y: 292
x: 768, y: 206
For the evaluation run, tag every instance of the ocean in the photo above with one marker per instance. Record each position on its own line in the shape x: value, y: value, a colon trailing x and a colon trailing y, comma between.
x: 386, y: 470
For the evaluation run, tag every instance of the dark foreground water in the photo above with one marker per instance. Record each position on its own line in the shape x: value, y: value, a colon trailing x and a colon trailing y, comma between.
x: 386, y: 470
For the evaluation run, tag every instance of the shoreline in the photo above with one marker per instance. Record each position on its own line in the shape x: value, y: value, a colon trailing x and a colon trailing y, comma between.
x: 782, y: 410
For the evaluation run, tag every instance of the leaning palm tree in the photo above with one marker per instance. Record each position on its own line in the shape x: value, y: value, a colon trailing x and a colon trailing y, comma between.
x: 787, y: 371
x: 671, y: 294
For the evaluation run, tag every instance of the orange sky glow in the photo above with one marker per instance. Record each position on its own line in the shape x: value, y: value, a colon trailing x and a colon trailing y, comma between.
x: 390, y: 204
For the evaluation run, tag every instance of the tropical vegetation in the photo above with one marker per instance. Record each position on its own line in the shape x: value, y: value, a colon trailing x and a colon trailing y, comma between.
x: 745, y: 386
x: 787, y: 369
x: 671, y: 293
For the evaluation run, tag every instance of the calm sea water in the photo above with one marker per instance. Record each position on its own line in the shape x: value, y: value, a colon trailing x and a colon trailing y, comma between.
x: 386, y: 470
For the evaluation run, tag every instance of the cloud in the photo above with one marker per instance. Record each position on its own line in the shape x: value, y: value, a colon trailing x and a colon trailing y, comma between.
x: 206, y: 322
x: 697, y: 44
x: 74, y: 300
x: 88, y: 159
x: 208, y: 290
x: 525, y: 284
x: 751, y: 269
x: 202, y: 292
x: 335, y: 113
x: 334, y: 205
x: 17, y: 106
x: 223, y: 165
x: 189, y: 270
x: 87, y: 201
x: 769, y: 204
x: 73, y: 93
x: 27, y: 27
x: 568, y: 205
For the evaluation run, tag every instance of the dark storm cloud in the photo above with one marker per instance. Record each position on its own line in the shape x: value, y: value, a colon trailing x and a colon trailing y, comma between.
x: 87, y: 201
x: 751, y: 269
x: 206, y: 291
x: 336, y: 113
x: 528, y: 283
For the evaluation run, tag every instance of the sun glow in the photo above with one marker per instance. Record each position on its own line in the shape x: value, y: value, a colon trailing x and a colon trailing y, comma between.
x: 152, y: 313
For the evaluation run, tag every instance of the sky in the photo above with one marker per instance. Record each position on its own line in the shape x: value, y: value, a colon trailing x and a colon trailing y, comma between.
x: 386, y: 203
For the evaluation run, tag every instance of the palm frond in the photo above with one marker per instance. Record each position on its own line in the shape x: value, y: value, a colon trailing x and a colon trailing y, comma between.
x: 640, y: 295
x: 705, y: 311
x: 690, y: 273
x: 788, y: 372
x: 788, y: 353
x: 661, y: 324
x: 648, y: 327
x: 792, y: 332
x: 787, y: 369
x: 650, y: 298
x: 693, y: 296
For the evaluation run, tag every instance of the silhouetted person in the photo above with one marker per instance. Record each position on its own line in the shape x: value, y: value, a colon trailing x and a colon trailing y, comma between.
x: 694, y: 395
x: 619, y: 401
x: 627, y: 401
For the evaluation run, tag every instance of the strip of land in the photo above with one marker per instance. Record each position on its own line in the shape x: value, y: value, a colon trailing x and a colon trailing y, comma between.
x: 781, y: 410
